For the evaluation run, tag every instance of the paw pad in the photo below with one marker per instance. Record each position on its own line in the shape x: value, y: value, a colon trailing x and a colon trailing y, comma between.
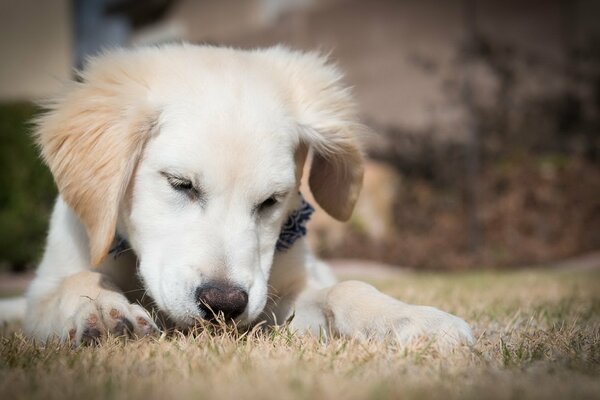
x: 92, y: 320
x: 91, y: 335
x: 124, y: 327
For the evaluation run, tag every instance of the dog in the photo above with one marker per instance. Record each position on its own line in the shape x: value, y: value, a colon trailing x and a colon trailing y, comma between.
x: 179, y: 170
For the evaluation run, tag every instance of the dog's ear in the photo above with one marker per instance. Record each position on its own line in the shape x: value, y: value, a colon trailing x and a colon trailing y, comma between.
x: 335, y: 182
x: 91, y: 138
x: 327, y: 116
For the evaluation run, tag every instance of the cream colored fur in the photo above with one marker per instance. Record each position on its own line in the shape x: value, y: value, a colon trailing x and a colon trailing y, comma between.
x: 238, y: 126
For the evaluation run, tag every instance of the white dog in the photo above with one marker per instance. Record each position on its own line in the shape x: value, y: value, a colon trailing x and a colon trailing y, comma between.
x: 191, y: 157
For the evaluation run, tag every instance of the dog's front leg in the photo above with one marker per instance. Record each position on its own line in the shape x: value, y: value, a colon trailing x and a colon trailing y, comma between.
x: 83, y: 308
x: 70, y: 301
x: 358, y: 310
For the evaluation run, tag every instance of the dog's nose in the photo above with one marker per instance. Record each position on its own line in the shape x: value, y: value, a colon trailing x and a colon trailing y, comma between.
x: 216, y: 298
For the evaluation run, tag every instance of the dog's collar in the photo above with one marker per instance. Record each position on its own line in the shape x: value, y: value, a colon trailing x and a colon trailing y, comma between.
x: 295, y: 226
x: 293, y: 229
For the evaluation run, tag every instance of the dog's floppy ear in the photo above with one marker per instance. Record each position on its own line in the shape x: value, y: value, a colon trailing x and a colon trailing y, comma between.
x: 91, y: 138
x: 328, y: 122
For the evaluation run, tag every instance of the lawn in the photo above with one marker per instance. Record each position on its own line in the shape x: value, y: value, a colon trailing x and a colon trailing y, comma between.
x: 538, y: 336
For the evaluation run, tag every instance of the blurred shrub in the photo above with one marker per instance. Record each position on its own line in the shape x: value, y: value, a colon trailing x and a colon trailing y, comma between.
x: 27, y: 190
x: 531, y: 196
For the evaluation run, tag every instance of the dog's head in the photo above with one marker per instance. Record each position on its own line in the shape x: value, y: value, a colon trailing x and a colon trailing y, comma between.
x: 195, y: 155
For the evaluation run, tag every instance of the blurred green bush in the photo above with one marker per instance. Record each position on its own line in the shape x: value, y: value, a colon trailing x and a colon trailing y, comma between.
x: 27, y: 190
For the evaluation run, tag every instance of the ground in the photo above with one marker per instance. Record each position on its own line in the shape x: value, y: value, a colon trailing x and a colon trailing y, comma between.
x: 538, y: 336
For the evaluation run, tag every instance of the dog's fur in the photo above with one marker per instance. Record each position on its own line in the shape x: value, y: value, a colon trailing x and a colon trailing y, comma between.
x: 238, y: 126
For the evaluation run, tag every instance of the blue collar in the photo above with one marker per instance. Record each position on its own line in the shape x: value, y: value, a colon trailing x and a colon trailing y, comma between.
x: 295, y: 226
x: 293, y: 229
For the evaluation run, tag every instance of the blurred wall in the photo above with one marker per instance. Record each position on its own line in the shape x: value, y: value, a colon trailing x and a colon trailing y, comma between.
x: 35, y: 47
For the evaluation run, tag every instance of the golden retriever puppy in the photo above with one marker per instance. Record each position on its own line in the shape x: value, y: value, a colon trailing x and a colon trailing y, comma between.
x: 179, y: 170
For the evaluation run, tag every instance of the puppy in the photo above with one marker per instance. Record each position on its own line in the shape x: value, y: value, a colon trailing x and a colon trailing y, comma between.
x: 179, y: 170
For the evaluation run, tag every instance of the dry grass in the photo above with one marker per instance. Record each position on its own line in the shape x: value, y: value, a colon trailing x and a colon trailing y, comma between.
x: 538, y: 337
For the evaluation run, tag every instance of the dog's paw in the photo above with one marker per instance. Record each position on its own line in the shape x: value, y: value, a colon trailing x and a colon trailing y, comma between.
x: 109, y: 313
x: 407, y: 323
x: 84, y: 308
x: 361, y: 311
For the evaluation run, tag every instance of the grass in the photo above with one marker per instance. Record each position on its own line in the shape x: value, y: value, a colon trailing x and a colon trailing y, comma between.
x: 538, y: 337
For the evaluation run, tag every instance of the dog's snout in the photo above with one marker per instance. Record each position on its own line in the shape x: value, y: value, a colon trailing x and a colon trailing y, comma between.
x: 217, y: 298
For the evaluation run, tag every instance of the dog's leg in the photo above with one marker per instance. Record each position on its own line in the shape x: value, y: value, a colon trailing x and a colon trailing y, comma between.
x: 70, y: 301
x: 356, y: 309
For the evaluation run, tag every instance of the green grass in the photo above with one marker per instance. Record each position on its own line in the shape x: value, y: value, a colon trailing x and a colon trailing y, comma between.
x: 538, y: 336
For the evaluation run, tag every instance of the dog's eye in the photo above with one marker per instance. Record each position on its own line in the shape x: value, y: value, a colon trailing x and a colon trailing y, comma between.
x: 182, y: 185
x: 268, y: 203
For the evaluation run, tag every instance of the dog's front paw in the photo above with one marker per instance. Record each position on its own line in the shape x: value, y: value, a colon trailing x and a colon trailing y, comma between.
x: 84, y: 308
x: 408, y: 323
x: 359, y: 310
x: 110, y: 313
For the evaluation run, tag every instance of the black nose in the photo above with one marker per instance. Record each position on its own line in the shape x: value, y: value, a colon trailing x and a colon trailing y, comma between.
x: 221, y: 298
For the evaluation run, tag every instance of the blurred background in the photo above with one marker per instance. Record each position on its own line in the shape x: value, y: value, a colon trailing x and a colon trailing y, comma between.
x: 486, y: 116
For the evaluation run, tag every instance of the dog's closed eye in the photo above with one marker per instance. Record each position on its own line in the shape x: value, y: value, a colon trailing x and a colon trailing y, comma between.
x: 269, y: 202
x: 183, y: 185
